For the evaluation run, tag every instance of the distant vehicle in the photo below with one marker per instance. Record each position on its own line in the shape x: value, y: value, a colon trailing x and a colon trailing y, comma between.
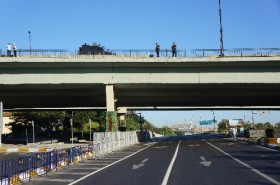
x: 95, y: 49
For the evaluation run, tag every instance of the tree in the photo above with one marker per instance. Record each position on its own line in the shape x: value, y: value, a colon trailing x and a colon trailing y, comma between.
x: 165, y: 130
x: 260, y: 126
x: 223, y: 126
x: 277, y: 125
x: 45, y: 120
x: 132, y: 122
x: 268, y: 125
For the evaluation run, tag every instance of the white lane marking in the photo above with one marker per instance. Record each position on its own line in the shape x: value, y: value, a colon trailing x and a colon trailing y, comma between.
x: 246, y: 165
x: 80, y: 179
x: 136, y: 166
x: 167, y: 174
x: 266, y: 148
x: 204, y: 162
x: 160, y: 147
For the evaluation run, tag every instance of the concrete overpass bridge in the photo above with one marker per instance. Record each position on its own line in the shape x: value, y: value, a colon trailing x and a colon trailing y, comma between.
x: 110, y: 82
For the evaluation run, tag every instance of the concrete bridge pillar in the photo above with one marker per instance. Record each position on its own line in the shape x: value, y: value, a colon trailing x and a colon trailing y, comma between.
x: 111, y: 114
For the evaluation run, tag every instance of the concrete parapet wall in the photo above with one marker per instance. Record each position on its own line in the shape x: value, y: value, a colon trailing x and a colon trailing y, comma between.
x: 112, y: 141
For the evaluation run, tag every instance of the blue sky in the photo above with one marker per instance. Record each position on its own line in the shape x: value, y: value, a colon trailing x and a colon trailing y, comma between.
x: 131, y: 24
x: 128, y: 24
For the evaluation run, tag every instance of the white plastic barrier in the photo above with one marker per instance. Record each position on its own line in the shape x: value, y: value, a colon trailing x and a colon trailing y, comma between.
x: 112, y: 141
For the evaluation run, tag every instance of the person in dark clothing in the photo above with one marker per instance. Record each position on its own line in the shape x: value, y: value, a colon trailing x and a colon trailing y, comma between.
x: 174, y: 50
x: 14, y: 49
x: 157, y: 49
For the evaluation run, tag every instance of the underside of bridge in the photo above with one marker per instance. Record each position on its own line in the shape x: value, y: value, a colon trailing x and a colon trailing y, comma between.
x: 146, y: 96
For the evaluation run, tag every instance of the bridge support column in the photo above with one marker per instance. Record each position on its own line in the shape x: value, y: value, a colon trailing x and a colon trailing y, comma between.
x: 111, y: 114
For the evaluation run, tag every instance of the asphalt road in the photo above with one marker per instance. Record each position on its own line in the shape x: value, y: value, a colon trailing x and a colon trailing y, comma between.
x: 194, y: 160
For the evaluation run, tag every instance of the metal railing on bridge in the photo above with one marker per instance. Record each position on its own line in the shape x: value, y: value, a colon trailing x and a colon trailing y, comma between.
x: 131, y: 53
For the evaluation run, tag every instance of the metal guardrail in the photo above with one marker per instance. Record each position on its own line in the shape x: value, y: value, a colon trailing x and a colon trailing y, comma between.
x: 235, y: 52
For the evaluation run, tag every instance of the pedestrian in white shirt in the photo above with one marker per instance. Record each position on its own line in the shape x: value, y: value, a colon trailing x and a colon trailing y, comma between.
x: 9, y: 48
x: 234, y: 131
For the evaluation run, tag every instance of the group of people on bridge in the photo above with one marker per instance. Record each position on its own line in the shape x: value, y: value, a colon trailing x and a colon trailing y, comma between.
x: 11, y: 47
x: 173, y: 49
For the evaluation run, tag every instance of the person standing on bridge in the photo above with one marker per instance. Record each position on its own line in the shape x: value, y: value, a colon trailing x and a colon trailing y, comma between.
x: 14, y: 49
x: 9, y: 48
x: 174, y: 50
x: 157, y: 49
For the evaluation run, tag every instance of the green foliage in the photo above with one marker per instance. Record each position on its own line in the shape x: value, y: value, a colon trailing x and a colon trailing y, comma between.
x: 112, y: 121
x: 266, y: 125
x: 223, y: 126
x: 132, y: 122
x: 94, y: 126
x: 165, y: 130
x: 81, y: 117
x: 277, y: 125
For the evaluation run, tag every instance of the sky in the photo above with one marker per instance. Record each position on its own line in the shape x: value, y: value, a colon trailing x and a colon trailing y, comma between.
x: 131, y: 24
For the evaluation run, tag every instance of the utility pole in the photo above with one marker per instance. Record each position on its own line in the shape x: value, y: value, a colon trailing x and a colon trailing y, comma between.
x: 71, y: 123
x: 221, y: 32
x: 90, y: 130
x: 33, y: 133
x: 29, y: 32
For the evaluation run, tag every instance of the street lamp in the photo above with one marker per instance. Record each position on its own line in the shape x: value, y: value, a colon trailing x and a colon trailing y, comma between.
x: 29, y: 32
x: 33, y: 133
x: 71, y: 123
x: 90, y: 130
x: 221, y: 32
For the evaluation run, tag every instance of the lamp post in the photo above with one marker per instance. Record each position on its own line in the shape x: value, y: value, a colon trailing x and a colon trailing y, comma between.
x: 71, y: 123
x: 33, y: 133
x: 29, y: 32
x: 90, y: 130
x: 221, y: 32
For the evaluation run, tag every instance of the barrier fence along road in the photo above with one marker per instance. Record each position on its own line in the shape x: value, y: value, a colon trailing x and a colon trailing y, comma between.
x: 24, y: 168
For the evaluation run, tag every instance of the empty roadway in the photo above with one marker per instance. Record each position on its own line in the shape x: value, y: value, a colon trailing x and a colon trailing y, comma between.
x: 201, y: 159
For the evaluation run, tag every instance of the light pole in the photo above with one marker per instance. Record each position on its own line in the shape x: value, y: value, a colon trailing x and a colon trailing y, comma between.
x: 71, y: 123
x: 221, y: 32
x: 29, y: 32
x: 90, y: 130
x: 33, y: 133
